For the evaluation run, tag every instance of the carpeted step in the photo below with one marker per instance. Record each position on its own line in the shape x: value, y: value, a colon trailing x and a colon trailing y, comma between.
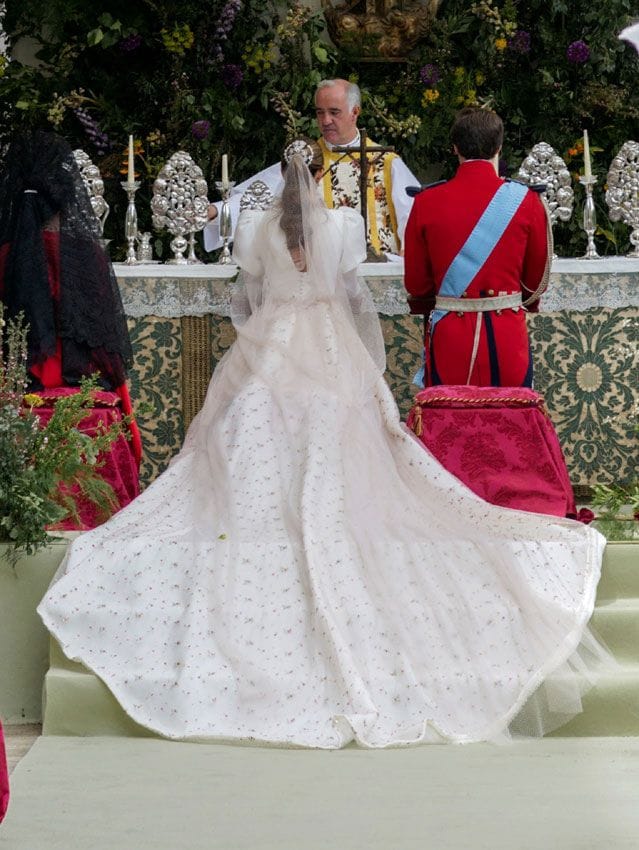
x: 620, y: 572
x: 78, y: 703
x: 610, y: 709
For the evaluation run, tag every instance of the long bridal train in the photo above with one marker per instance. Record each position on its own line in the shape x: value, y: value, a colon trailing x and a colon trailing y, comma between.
x: 306, y: 573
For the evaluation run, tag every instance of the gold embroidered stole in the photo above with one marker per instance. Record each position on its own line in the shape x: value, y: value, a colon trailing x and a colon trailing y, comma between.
x: 341, y: 188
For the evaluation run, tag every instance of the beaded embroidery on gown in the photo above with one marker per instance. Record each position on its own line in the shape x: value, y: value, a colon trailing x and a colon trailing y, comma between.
x: 305, y: 572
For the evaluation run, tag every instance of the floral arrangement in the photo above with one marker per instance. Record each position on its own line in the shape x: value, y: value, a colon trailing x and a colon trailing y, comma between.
x: 238, y: 77
x: 41, y: 466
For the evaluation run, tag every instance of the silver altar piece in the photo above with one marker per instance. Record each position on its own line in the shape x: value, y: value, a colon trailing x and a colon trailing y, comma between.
x: 145, y: 249
x: 544, y: 165
x: 590, y: 218
x: 226, y: 225
x: 131, y: 221
x: 258, y: 196
x: 622, y: 194
x: 180, y: 203
x: 92, y: 179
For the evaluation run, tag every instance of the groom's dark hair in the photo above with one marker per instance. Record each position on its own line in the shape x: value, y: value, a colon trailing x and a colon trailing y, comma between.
x: 477, y: 133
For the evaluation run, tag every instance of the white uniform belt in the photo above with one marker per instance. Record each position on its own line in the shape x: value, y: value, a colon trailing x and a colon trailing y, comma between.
x: 478, y: 305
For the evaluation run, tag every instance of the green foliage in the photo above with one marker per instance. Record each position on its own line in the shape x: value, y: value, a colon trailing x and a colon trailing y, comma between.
x: 250, y: 68
x: 611, y: 498
x: 40, y: 467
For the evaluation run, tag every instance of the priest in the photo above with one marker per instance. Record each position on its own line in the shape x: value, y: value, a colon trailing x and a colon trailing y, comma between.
x: 337, y: 107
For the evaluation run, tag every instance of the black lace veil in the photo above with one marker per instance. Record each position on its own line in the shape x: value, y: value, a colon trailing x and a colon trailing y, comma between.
x: 41, y: 189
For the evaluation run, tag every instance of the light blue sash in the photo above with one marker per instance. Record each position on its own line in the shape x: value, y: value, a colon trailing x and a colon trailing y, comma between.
x: 477, y: 248
x: 480, y: 244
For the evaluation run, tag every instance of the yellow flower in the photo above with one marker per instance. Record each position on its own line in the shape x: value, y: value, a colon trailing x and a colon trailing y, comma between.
x: 429, y: 96
x: 501, y: 43
x: 470, y: 98
x: 33, y: 400
x: 479, y: 78
x: 459, y: 74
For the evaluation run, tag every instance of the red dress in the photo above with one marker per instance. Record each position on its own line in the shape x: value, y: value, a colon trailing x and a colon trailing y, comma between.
x: 4, y: 778
x: 120, y: 468
x: 441, y: 220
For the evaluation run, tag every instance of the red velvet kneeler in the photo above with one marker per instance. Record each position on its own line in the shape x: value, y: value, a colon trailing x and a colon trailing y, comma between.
x: 120, y: 467
x: 500, y: 442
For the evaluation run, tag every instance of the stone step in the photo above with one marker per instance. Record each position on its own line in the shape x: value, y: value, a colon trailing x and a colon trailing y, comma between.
x: 616, y: 624
x: 611, y: 708
x: 620, y: 572
x: 76, y: 702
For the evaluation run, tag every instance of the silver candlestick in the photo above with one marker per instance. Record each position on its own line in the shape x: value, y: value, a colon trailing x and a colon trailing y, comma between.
x: 226, y: 228
x: 590, y: 217
x: 192, y: 259
x: 131, y: 221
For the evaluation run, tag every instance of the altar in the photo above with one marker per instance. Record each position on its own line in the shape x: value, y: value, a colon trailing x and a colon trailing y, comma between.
x: 585, y: 344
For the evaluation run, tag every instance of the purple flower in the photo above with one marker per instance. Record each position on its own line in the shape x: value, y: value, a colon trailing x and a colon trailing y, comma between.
x: 227, y: 19
x: 130, y: 43
x: 200, y: 129
x: 430, y: 75
x: 92, y: 128
x: 578, y: 52
x: 232, y: 76
x: 223, y: 28
x: 520, y: 42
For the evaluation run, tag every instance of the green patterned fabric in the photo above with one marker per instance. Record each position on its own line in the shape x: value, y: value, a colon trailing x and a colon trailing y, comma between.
x: 586, y: 367
x: 156, y: 379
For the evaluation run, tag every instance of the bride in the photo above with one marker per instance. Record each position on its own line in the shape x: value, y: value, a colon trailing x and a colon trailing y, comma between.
x: 305, y: 573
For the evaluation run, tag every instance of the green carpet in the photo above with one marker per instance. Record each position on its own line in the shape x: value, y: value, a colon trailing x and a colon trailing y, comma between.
x: 134, y: 794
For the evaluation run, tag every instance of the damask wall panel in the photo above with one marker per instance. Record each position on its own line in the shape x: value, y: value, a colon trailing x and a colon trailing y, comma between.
x: 222, y: 338
x: 587, y: 368
x: 403, y: 337
x: 156, y: 378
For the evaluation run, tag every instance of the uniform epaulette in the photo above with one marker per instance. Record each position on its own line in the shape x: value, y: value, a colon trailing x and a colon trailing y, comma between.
x: 534, y: 187
x: 411, y: 191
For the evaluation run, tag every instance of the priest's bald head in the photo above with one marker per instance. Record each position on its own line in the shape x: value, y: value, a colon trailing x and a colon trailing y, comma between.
x: 337, y: 108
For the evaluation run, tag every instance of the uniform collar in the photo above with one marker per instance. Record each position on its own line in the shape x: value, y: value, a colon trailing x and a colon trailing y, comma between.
x: 475, y: 167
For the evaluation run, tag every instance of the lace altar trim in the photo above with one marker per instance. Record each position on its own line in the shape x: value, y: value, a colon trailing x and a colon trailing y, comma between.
x: 173, y: 297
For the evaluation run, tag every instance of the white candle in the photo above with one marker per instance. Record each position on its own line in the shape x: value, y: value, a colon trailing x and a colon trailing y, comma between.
x: 225, y: 171
x: 587, y: 168
x: 131, y: 172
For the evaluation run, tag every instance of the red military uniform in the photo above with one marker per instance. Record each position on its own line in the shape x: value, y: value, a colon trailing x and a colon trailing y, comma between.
x: 441, y: 220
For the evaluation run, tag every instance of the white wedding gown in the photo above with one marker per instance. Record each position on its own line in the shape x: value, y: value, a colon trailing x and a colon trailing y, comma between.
x: 306, y: 573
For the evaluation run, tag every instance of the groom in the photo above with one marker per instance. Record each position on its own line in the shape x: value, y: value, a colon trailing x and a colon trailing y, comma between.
x: 478, y: 251
x: 337, y: 109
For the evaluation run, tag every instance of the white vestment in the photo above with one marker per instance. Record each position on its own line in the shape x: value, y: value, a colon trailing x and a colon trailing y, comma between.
x: 401, y: 177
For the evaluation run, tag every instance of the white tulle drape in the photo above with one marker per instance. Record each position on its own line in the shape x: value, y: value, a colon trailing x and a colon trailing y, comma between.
x: 305, y: 572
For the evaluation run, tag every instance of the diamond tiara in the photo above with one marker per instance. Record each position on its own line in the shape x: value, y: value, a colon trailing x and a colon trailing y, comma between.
x: 299, y: 146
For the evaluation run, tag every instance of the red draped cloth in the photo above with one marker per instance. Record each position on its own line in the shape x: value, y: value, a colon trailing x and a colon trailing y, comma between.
x: 118, y: 466
x: 500, y: 442
x: 4, y: 778
x: 49, y: 372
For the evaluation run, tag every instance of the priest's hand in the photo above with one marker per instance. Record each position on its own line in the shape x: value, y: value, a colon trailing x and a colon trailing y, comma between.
x: 212, y: 212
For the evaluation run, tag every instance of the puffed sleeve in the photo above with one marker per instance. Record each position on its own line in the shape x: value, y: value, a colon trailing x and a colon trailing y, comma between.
x: 353, y: 239
x: 247, y: 246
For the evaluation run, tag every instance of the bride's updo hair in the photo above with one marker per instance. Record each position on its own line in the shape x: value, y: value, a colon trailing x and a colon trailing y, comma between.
x: 291, y: 218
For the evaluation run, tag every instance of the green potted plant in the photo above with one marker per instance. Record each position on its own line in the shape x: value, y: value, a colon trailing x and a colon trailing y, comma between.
x: 42, y: 467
